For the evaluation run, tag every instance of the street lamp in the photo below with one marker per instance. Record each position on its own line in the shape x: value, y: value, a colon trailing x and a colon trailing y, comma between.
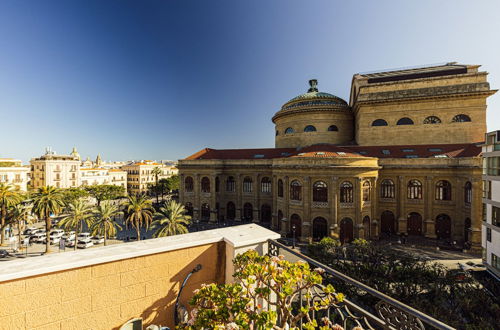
x: 293, y: 234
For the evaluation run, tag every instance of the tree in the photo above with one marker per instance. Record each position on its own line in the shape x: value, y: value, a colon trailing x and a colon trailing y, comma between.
x: 174, y: 182
x: 20, y: 212
x: 104, y: 223
x: 139, y: 212
x: 104, y: 192
x: 79, y: 212
x: 47, y: 200
x: 8, y: 197
x: 72, y: 194
x: 156, y: 172
x: 163, y: 187
x: 170, y: 220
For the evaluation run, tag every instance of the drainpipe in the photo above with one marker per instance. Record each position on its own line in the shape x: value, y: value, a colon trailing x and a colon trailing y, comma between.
x: 176, y: 310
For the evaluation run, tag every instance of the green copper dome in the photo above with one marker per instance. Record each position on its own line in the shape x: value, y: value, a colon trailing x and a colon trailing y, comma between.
x: 314, y: 97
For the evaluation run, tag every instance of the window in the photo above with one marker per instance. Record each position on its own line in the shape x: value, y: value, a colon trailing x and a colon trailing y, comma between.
x: 414, y: 189
x: 205, y: 212
x: 443, y: 190
x: 366, y: 191
x: 432, y: 120
x: 205, y: 185
x: 295, y: 190
x: 189, y: 209
x: 230, y: 184
x: 387, y: 189
x: 320, y: 192
x: 309, y: 128
x: 492, y: 165
x: 468, y: 193
x: 277, y: 133
x: 346, y: 192
x: 379, y: 122
x: 280, y: 188
x: 265, y: 185
x: 386, y: 152
x: 405, y: 121
x: 495, y: 216
x: 230, y: 211
x: 248, y: 212
x: 289, y: 130
x: 247, y: 185
x: 460, y: 119
x: 484, y: 212
x: 333, y: 128
x: 488, y: 234
x: 188, y: 184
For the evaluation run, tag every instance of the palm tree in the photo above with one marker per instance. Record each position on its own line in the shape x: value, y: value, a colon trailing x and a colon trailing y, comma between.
x: 156, y: 172
x: 139, y: 212
x: 8, y: 197
x: 104, y: 223
x: 20, y: 212
x: 46, y: 201
x: 171, y: 220
x: 79, y: 212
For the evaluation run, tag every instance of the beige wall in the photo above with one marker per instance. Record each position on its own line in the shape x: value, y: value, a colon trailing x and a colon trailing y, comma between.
x: 107, y: 295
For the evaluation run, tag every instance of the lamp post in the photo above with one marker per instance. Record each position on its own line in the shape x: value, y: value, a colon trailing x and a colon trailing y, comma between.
x: 293, y: 234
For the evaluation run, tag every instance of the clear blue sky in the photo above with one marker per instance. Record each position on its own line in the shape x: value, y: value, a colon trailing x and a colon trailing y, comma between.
x: 164, y: 79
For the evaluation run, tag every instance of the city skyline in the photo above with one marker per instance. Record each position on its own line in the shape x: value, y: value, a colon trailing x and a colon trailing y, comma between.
x: 164, y: 80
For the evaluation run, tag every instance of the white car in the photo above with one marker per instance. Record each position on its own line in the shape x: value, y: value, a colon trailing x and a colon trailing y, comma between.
x: 83, y: 244
x: 69, y: 236
x: 39, y: 237
x: 70, y: 242
x: 471, y: 266
x: 30, y: 231
x: 98, y: 239
x: 84, y: 236
x: 55, y: 235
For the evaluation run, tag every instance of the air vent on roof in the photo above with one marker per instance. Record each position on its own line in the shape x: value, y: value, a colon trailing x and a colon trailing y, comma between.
x: 386, y: 152
x: 435, y: 149
x: 440, y: 156
x: 258, y: 156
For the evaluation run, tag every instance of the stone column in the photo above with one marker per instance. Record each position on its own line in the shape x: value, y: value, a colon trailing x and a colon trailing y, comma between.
x: 213, y: 199
x: 306, y: 200
x: 458, y: 216
x: 476, y: 214
x: 358, y: 205
x: 181, y: 189
x: 274, y: 191
x: 334, y: 207
x: 256, y: 213
x: 430, y: 224
x: 374, y: 203
x: 197, y: 196
x: 286, y: 197
x: 239, y: 201
x: 402, y: 201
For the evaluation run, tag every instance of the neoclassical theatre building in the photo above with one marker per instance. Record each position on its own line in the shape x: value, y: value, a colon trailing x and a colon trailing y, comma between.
x: 402, y: 156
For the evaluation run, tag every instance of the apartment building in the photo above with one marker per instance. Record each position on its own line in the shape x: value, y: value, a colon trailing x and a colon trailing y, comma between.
x: 140, y: 174
x: 61, y: 171
x: 13, y: 172
x: 99, y: 176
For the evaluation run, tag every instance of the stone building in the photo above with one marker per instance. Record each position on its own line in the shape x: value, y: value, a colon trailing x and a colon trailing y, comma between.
x: 14, y: 173
x: 140, y: 175
x: 61, y: 171
x: 402, y: 156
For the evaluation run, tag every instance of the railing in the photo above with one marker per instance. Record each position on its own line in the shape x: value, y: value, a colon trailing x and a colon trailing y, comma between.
x: 385, y: 313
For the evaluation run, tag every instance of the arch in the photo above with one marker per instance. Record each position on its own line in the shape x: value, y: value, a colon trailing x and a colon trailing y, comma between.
x: 205, y: 212
x: 387, y: 189
x: 414, y: 189
x: 248, y: 212
x: 468, y: 192
x: 467, y: 228
x: 265, y: 215
x: 432, y: 120
x: 379, y: 122
x: 320, y: 192
x: 405, y: 121
x: 295, y: 191
x: 230, y: 211
x: 265, y: 185
x: 277, y: 133
x: 296, y: 221
x: 247, y: 184
x: 280, y: 188
x: 309, y: 128
x: 320, y: 228
x: 367, y: 227
x: 230, y: 184
x: 388, y: 223
x: 346, y: 192
x: 333, y: 128
x: 189, y: 208
x: 366, y: 191
x: 279, y: 221
x: 414, y: 224
x: 346, y: 230
x: 205, y: 184
x: 461, y: 119
x: 443, y: 190
x: 289, y: 130
x: 188, y: 184
x: 443, y: 226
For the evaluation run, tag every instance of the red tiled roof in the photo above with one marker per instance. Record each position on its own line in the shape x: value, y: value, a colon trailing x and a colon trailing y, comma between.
x: 422, y: 151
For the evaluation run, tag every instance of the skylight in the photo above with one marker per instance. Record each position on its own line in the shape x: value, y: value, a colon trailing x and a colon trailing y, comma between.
x: 258, y: 156
x: 411, y: 156
x: 407, y: 150
x: 386, y: 152
x: 435, y: 149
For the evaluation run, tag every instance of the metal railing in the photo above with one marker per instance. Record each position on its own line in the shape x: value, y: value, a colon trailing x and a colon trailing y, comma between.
x: 385, y: 313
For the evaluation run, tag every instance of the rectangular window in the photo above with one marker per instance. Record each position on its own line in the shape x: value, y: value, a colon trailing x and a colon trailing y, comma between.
x: 495, y: 261
x: 488, y: 234
x: 484, y: 212
x: 493, y: 166
x: 495, y: 216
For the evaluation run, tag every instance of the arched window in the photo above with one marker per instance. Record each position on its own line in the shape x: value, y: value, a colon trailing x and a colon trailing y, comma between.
x: 414, y: 190
x: 205, y: 212
x: 289, y: 130
x: 320, y: 192
x: 333, y: 128
x: 231, y: 211
x: 461, y: 119
x: 405, y: 121
x: 346, y: 192
x: 309, y: 128
x: 432, y: 120
x: 188, y: 184
x: 379, y: 122
x: 247, y: 185
x: 468, y: 193
x: 280, y: 188
x: 205, y: 185
x: 189, y: 209
x: 387, y: 189
x: 265, y: 185
x: 247, y: 212
x: 366, y: 191
x: 295, y: 190
x: 443, y: 190
x: 217, y: 184
x: 230, y: 184
x: 277, y: 133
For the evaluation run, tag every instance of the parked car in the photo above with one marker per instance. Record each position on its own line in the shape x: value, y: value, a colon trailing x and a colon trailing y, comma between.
x: 83, y: 244
x: 471, y: 266
x: 39, y: 237
x: 56, y: 234
x: 70, y: 242
x: 84, y: 236
x: 4, y: 254
x: 30, y: 231
x: 69, y: 236
x: 98, y: 239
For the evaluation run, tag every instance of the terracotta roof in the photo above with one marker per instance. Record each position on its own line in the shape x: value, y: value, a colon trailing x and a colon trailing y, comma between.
x: 420, y: 151
x: 267, y: 153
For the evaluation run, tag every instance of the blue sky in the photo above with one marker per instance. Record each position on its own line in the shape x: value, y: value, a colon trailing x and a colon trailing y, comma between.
x: 164, y: 79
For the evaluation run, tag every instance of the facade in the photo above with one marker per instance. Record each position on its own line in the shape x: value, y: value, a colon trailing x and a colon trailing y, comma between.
x: 61, y: 171
x: 140, y: 175
x: 491, y: 202
x: 100, y: 176
x: 14, y: 173
x: 403, y: 156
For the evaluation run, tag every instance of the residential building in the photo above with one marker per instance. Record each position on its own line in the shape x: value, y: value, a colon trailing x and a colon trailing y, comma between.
x: 61, y: 171
x: 13, y: 172
x: 401, y: 157
x: 140, y: 175
x: 100, y: 176
x: 491, y: 202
